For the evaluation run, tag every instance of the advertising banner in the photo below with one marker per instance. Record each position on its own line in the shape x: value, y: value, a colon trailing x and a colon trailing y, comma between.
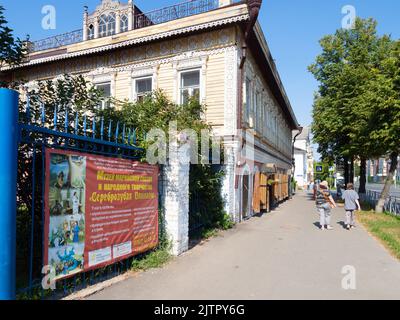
x: 98, y: 210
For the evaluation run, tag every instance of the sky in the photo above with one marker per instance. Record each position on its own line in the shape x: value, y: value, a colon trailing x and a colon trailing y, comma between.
x: 292, y: 29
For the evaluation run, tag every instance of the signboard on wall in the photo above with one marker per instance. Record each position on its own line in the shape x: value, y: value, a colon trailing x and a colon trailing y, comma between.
x: 98, y: 210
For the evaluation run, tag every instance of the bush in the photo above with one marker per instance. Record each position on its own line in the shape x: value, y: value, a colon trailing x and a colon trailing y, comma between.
x: 206, y: 204
x: 226, y: 222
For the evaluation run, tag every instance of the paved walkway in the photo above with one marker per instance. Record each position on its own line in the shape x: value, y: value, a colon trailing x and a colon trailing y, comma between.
x: 282, y: 255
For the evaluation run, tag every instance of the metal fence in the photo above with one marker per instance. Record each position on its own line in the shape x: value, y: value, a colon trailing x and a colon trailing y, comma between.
x: 58, y: 41
x: 174, y: 12
x: 392, y: 204
x: 44, y: 126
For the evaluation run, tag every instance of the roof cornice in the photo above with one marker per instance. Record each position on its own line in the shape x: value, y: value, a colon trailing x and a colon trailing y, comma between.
x: 131, y: 42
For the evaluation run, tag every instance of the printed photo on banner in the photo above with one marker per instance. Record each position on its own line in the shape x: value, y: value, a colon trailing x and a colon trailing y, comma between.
x: 66, y: 200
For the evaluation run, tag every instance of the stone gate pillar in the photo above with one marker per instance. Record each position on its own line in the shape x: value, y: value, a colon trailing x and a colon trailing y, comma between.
x: 229, y: 193
x: 176, y: 202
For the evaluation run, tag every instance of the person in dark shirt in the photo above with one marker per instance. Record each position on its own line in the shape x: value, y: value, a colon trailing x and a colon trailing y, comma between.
x: 325, y: 203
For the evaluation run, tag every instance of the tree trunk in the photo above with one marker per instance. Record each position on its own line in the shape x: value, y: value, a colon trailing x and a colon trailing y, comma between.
x: 363, y: 175
x: 351, y: 178
x: 388, y: 182
x: 346, y: 171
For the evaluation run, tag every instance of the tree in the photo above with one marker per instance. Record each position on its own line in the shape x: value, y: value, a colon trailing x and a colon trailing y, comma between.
x: 383, y: 93
x: 340, y: 119
x: 12, y: 50
x: 157, y: 111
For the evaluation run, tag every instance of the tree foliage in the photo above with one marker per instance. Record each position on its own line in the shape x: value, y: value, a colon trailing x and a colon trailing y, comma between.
x: 356, y: 110
x: 12, y: 50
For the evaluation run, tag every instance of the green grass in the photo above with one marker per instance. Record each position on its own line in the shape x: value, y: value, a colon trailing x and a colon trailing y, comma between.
x: 386, y: 227
x: 153, y: 259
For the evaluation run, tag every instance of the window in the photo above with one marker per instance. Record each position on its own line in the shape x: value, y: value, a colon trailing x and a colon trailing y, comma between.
x: 252, y: 107
x: 111, y: 28
x: 107, y: 25
x: 124, y: 23
x: 248, y: 100
x: 143, y: 87
x: 190, y: 86
x: 91, y: 32
x: 258, y: 111
x: 106, y: 89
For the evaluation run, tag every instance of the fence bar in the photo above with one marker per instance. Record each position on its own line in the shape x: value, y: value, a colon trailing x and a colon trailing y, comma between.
x: 55, y: 118
x: 76, y: 123
x: 84, y: 125
x: 43, y: 116
x: 8, y: 189
x: 94, y: 128
x: 31, y: 257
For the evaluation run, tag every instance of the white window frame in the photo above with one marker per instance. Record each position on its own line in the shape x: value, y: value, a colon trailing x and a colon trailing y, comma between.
x: 123, y: 27
x: 103, y: 76
x: 103, y: 102
x: 134, y: 82
x: 183, y: 71
x: 106, y: 27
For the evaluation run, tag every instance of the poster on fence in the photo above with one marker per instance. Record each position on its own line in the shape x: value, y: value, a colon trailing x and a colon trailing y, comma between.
x: 98, y: 210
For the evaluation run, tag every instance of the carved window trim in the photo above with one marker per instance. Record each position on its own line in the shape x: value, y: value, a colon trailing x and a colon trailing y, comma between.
x: 142, y: 73
x: 190, y: 64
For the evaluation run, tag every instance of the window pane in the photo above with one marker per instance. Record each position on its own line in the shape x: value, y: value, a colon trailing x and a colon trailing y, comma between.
x: 196, y: 94
x: 105, y: 88
x: 185, y: 96
x: 190, y: 79
x: 124, y: 23
x: 144, y: 86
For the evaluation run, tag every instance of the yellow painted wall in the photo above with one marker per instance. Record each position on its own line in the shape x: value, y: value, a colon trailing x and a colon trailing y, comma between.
x: 215, y: 89
x: 177, y: 57
x: 122, y: 85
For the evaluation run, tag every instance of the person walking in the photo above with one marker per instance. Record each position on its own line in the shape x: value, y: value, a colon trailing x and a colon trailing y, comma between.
x: 325, y: 203
x: 351, y: 204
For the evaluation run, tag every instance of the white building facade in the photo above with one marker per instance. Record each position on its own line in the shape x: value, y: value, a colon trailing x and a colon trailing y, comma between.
x: 303, y: 159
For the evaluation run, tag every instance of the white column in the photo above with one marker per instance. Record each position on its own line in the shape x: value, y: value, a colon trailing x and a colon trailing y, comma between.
x: 117, y: 23
x: 203, y: 82
x: 229, y: 193
x: 177, y: 202
x: 96, y: 27
x: 85, y: 26
x: 130, y: 15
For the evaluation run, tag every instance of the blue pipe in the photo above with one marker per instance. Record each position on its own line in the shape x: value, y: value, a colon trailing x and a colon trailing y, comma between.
x: 8, y: 190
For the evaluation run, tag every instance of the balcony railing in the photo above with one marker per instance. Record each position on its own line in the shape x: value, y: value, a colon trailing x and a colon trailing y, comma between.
x: 174, y: 12
x: 58, y: 41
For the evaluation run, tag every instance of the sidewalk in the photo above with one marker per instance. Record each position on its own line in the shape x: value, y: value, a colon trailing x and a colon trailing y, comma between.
x: 282, y: 255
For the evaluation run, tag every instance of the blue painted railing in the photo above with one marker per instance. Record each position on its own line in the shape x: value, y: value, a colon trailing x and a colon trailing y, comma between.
x: 63, y: 128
